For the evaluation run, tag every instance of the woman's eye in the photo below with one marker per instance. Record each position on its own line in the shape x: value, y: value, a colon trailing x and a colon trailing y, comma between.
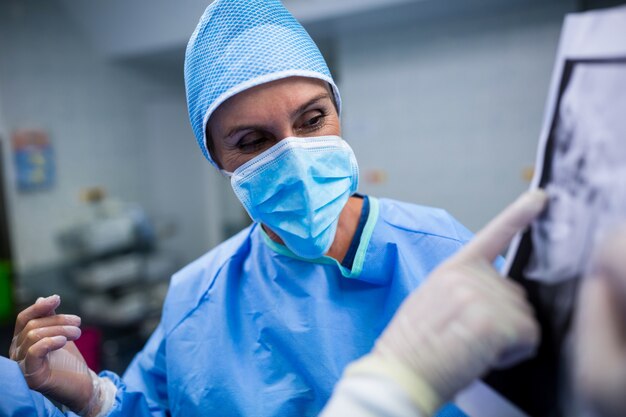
x: 251, y: 143
x: 313, y: 120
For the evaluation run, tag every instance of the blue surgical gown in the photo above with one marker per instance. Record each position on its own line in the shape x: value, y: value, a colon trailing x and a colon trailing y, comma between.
x: 249, y: 329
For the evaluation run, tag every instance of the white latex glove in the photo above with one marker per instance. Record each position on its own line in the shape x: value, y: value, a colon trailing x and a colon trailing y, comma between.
x: 464, y: 320
x: 43, y: 346
x: 600, y: 332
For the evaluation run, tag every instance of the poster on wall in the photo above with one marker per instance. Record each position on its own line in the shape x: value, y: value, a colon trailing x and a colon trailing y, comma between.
x: 34, y: 160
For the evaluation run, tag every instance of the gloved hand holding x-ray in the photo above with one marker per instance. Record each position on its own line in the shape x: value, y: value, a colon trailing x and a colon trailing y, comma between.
x: 600, y: 348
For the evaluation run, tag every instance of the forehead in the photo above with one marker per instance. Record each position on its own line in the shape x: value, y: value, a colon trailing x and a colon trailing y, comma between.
x: 287, y: 94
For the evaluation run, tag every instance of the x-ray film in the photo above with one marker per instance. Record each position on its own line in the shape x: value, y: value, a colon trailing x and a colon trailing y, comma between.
x: 586, y: 173
x: 582, y: 165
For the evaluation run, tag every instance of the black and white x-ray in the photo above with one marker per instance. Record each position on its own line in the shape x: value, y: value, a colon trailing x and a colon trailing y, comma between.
x: 582, y: 165
x: 586, y: 177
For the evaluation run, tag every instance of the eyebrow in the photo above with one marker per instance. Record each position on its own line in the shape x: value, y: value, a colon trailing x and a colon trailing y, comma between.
x: 299, y: 110
x: 314, y: 100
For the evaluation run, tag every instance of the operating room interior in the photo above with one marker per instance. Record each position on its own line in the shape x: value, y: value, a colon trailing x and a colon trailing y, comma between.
x: 104, y: 194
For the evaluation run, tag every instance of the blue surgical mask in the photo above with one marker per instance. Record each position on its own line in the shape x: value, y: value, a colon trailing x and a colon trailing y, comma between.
x: 298, y: 188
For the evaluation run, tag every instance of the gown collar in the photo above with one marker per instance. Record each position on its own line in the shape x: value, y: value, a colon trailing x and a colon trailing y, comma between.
x: 359, y: 257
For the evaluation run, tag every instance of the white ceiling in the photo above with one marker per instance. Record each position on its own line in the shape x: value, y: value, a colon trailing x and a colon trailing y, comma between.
x: 123, y: 28
x: 308, y: 11
x: 140, y: 28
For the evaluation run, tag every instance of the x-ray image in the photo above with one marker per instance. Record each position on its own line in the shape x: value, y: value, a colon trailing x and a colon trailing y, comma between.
x: 584, y: 171
x: 587, y: 176
x: 581, y: 162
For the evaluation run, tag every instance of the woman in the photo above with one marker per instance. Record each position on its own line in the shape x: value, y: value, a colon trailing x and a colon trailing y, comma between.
x: 463, y: 321
x: 265, y: 323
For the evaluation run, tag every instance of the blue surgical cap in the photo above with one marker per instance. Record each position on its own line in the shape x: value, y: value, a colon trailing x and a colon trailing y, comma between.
x: 239, y: 44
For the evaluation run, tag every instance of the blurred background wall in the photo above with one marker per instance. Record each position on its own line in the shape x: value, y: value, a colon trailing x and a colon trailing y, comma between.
x: 450, y: 108
x: 443, y: 103
x: 108, y: 124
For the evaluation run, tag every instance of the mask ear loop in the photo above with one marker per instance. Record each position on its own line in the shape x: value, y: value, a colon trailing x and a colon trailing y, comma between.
x: 227, y: 174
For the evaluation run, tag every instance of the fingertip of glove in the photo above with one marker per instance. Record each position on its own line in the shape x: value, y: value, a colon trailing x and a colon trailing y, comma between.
x: 536, y: 199
x: 59, y: 339
x: 52, y: 299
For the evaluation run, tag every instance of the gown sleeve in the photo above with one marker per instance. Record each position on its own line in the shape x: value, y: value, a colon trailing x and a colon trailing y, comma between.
x: 143, y: 390
x: 142, y: 393
x: 17, y: 399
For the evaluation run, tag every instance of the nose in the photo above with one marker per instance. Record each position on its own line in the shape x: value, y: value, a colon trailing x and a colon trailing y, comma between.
x: 285, y: 133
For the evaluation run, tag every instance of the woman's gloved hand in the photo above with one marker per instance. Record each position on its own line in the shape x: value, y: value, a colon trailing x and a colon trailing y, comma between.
x: 43, y: 346
x: 600, y: 332
x: 464, y: 320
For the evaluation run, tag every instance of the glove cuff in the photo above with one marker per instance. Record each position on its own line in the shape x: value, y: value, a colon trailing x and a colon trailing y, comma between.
x: 420, y: 392
x: 102, y: 397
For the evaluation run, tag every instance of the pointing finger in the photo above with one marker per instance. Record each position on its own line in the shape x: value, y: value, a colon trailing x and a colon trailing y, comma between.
x: 496, y: 236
